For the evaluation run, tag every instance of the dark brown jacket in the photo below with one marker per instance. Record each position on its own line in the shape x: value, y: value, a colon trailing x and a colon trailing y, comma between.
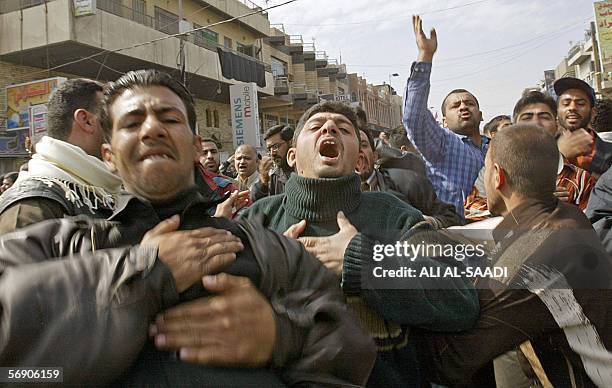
x: 70, y: 299
x: 557, y: 295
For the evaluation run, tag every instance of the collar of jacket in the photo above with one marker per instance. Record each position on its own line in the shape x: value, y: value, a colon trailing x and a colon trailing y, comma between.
x: 524, y: 217
x: 321, y: 199
x: 129, y: 202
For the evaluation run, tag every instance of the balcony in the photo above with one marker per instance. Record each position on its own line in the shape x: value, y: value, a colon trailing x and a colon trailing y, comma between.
x: 577, y: 54
x: 51, y: 37
x: 281, y: 85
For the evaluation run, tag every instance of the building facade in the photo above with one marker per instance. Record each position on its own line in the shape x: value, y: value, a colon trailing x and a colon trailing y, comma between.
x: 381, y: 103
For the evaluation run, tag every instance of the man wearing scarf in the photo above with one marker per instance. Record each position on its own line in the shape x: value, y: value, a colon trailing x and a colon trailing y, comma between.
x: 66, y: 175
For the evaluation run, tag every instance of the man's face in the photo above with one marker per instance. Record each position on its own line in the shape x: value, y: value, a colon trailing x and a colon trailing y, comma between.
x: 462, y: 114
x: 210, y: 156
x: 277, y: 149
x: 495, y: 202
x: 245, y: 161
x: 152, y: 146
x: 6, y: 184
x: 575, y: 109
x: 367, y: 154
x: 502, y: 124
x: 327, y: 147
x: 538, y: 114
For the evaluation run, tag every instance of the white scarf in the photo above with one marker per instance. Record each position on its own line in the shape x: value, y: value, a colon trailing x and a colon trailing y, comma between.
x: 84, y: 178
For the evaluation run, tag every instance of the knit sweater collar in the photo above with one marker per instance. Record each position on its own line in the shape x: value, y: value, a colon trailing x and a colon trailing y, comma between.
x: 321, y: 199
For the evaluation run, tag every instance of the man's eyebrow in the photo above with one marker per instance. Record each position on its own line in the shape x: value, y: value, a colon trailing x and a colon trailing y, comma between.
x: 344, y: 120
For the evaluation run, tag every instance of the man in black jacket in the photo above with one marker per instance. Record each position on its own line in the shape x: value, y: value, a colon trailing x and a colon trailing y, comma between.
x: 71, y: 298
x: 403, y: 175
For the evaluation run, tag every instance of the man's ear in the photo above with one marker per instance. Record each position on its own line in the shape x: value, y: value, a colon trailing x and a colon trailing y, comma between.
x: 444, y: 123
x: 480, y: 114
x: 291, y: 157
x: 109, y: 157
x: 594, y: 113
x: 85, y: 120
x: 197, y: 143
x: 500, y: 176
x: 360, y: 163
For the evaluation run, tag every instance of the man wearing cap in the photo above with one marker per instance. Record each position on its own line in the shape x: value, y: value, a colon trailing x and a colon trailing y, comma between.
x: 273, y: 169
x: 577, y: 141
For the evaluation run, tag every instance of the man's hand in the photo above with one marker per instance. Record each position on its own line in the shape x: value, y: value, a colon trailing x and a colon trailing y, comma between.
x: 236, y: 327
x: 191, y: 254
x: 265, y: 166
x: 235, y: 202
x: 295, y: 230
x: 427, y: 46
x: 574, y: 144
x: 330, y: 250
x: 562, y: 193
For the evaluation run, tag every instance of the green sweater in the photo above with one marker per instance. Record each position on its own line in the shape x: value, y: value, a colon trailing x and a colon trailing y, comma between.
x: 379, y: 218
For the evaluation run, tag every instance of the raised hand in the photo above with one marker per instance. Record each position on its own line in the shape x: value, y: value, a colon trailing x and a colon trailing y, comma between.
x: 427, y: 46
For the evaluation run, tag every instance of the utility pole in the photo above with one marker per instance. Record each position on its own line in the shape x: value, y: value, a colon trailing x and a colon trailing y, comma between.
x: 182, y: 44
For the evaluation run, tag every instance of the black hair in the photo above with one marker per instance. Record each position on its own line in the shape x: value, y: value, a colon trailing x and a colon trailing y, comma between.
x: 455, y: 91
x: 493, y: 125
x: 286, y: 132
x: 74, y: 94
x: 603, y: 120
x: 534, y: 97
x: 327, y: 107
x: 144, y: 78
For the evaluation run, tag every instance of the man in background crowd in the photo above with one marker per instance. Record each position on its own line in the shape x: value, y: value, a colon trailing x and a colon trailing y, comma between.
x: 454, y: 153
x: 65, y: 176
x: 273, y: 169
x: 209, y: 160
x: 496, y: 123
x: 246, y: 162
x: 8, y: 180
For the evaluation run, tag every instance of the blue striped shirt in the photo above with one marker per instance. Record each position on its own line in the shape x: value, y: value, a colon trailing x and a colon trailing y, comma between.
x: 453, y: 161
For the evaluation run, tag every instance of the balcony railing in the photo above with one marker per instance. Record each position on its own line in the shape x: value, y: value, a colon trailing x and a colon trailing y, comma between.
x: 296, y: 39
x: 118, y: 9
x: 7, y: 6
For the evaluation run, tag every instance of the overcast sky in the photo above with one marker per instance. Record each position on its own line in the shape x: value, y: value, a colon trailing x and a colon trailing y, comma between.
x: 494, y: 48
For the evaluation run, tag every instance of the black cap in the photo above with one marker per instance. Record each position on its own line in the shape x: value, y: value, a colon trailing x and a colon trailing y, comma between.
x: 563, y: 84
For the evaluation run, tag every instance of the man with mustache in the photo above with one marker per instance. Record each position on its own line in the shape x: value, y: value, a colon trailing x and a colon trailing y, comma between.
x: 274, y: 170
x: 577, y: 141
x: 71, y: 298
x: 454, y: 153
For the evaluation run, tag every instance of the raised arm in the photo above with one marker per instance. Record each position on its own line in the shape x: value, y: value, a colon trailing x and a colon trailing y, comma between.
x: 421, y: 127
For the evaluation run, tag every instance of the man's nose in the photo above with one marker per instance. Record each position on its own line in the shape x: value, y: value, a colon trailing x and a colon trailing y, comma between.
x: 152, y: 128
x: 329, y: 127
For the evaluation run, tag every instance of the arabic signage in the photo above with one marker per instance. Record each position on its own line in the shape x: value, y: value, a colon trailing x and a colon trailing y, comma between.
x: 603, y: 21
x: 84, y: 7
x: 245, y: 114
x: 20, y: 100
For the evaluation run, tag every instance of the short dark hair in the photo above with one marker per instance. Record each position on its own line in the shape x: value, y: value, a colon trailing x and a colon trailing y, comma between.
x: 534, y: 97
x: 286, y: 132
x: 455, y: 91
x: 327, y: 107
x: 603, y: 120
x: 12, y: 176
x: 144, y: 78
x: 517, y: 149
x: 77, y: 93
x: 362, y: 117
x: 493, y: 125
x: 368, y: 134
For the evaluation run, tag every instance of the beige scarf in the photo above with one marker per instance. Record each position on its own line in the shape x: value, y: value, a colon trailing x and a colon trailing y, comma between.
x: 84, y: 178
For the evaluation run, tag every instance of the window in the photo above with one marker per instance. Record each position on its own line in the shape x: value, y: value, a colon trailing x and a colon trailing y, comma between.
x: 279, y: 68
x: 208, y: 118
x: 139, y: 11
x: 204, y: 36
x: 227, y: 43
x: 166, y: 22
x: 216, y: 118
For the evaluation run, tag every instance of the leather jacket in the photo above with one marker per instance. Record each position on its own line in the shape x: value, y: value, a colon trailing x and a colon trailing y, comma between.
x: 80, y: 293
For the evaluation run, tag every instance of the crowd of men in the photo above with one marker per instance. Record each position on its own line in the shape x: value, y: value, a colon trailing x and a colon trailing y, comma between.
x: 131, y: 256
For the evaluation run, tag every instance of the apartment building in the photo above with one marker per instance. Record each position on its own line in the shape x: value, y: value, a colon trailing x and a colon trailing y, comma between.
x: 381, y: 103
x: 36, y: 35
x: 303, y: 76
